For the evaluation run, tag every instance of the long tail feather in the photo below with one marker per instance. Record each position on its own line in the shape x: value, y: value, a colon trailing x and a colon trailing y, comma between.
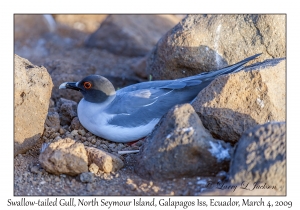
x: 229, y: 69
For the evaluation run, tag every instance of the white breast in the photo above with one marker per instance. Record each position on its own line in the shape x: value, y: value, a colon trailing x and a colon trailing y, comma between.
x: 95, y: 120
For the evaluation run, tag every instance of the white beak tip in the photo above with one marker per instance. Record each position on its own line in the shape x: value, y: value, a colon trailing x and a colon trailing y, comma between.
x: 63, y: 86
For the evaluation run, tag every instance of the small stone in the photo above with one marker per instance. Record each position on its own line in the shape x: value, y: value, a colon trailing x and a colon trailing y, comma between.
x: 57, y: 179
x: 132, y: 186
x: 93, y: 168
x: 87, y: 177
x: 120, y: 147
x: 77, y: 138
x: 89, y: 187
x: 43, y: 182
x: 61, y: 131
x: 93, y: 141
x: 88, y: 134
x: 105, y: 161
x: 74, y: 133
x: 104, y: 146
x: 57, y: 138
x: 81, y: 132
x: 52, y: 120
x: 35, y: 169
x: 63, y: 176
x: 67, y: 110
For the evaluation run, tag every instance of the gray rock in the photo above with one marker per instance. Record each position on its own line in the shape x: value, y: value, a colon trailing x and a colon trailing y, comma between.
x: 76, y: 125
x: 233, y: 103
x: 64, y: 156
x: 87, y: 177
x: 131, y: 35
x: 32, y: 90
x: 180, y: 146
x: 202, y: 43
x: 35, y: 169
x: 260, y: 156
x: 24, y: 23
x: 139, y: 67
x: 67, y: 111
x: 53, y: 121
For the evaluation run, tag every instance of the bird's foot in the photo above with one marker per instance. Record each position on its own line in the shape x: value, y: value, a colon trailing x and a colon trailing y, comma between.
x: 134, y: 143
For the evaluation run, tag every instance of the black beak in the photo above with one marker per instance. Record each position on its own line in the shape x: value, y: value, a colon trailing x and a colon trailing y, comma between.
x: 69, y: 85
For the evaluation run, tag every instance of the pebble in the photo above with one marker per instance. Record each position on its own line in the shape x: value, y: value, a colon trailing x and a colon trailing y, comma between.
x: 132, y: 186
x: 104, y: 146
x: 93, y: 168
x: 81, y: 132
x: 88, y: 134
x: 74, y: 133
x: 89, y: 187
x: 63, y: 176
x: 61, y: 131
x: 120, y: 147
x: 87, y: 177
x: 93, y: 141
x: 57, y: 138
x: 77, y: 138
x: 35, y: 169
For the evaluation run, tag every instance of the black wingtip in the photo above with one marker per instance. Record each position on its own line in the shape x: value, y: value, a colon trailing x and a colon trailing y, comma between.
x: 254, y: 56
x: 246, y: 60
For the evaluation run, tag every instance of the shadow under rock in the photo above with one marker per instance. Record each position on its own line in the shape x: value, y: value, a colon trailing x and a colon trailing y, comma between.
x: 27, y: 144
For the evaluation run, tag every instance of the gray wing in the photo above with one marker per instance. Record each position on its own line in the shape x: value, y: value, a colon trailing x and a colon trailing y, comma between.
x: 140, y: 107
x: 140, y: 103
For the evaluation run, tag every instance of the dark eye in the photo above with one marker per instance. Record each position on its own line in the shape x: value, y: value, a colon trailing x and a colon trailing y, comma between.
x: 87, y: 85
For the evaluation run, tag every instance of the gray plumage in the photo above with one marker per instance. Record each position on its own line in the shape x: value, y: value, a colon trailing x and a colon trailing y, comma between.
x: 132, y: 112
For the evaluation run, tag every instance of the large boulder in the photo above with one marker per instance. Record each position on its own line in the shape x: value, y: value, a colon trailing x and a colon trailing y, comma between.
x: 260, y: 158
x: 33, y: 86
x: 201, y: 43
x: 180, y: 146
x: 86, y: 23
x: 25, y: 23
x: 236, y: 102
x: 64, y: 156
x: 131, y: 35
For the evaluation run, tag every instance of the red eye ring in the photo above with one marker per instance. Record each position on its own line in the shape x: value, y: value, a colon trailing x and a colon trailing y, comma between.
x: 87, y: 85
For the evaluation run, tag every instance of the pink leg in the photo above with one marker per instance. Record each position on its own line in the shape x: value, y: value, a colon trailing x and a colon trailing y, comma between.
x: 133, y: 142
